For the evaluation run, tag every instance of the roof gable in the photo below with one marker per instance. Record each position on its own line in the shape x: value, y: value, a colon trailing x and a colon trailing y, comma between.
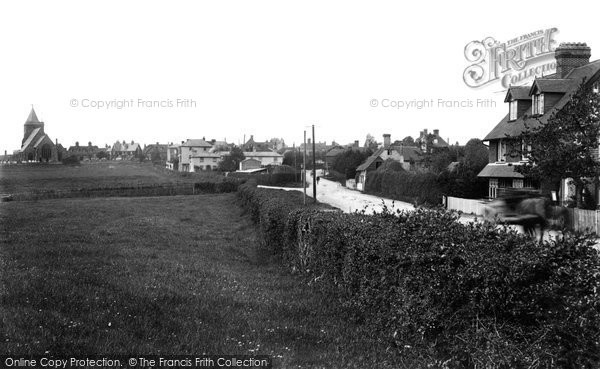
x: 517, y: 93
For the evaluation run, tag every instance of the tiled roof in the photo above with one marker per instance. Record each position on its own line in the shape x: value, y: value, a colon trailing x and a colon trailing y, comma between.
x: 370, y: 160
x: 39, y: 141
x: 30, y: 138
x: 495, y: 170
x: 517, y: 93
x: 515, y: 128
x: 196, y: 143
x: 261, y: 154
x: 560, y: 85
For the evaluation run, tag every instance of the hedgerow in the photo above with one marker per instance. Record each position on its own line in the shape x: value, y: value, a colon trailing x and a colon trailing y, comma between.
x: 442, y: 292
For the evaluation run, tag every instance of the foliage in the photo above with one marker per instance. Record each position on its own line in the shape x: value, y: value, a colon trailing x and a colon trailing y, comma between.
x: 371, y: 143
x: 349, y: 160
x: 293, y: 158
x: 102, y: 154
x: 71, y: 160
x: 408, y: 141
x: 231, y: 162
x: 567, y: 145
x: 440, y: 291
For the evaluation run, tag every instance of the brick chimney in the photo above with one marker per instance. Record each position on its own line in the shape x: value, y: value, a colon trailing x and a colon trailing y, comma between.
x: 356, y: 144
x: 387, y: 139
x: 571, y: 55
x: 436, y: 132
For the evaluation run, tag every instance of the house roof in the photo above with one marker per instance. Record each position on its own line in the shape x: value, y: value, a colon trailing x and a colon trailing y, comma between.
x: 558, y: 85
x: 196, y: 143
x: 262, y: 154
x: 410, y: 153
x: 370, y: 160
x: 515, y: 128
x: 497, y: 170
x: 335, y: 151
x: 517, y: 93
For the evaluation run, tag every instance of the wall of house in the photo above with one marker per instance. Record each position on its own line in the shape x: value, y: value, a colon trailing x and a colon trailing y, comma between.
x: 203, y: 163
x: 493, y: 151
x: 522, y: 106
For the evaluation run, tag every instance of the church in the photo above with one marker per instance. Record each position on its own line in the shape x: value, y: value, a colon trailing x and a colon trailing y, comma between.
x: 36, y: 145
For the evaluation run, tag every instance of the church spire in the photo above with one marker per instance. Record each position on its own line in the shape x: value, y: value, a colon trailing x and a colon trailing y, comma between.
x: 32, y: 117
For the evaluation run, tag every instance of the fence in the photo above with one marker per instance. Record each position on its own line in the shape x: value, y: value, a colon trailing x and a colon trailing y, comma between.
x: 585, y: 220
x: 468, y: 206
x: 578, y: 219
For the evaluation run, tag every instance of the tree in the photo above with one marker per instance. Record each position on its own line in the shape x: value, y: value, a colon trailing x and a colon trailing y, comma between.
x: 476, y: 155
x: 408, y: 141
x: 567, y: 145
x: 231, y: 162
x: 293, y: 157
x: 276, y: 143
x: 370, y: 142
x: 347, y: 162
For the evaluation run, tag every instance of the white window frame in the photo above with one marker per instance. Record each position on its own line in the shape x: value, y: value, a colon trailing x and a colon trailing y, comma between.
x: 501, y: 151
x: 596, y: 87
x: 538, y: 104
x: 512, y: 110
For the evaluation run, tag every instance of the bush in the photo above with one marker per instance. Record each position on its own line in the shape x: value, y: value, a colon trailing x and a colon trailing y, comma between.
x: 270, y: 179
x: 441, y: 291
x: 71, y: 160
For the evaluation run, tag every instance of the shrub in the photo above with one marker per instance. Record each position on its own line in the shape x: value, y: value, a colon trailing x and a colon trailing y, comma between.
x: 71, y: 160
x: 441, y: 291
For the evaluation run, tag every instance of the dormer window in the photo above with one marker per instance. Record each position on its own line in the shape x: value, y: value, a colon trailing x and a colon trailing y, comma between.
x: 538, y: 104
x: 512, y: 109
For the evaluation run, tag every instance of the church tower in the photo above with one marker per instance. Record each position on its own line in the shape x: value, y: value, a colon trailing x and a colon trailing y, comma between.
x: 32, y: 124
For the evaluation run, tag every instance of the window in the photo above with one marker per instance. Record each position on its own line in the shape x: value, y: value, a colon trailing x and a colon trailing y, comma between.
x: 512, y: 109
x: 201, y: 160
x: 525, y: 149
x: 538, y: 104
x: 501, y: 151
x: 596, y: 87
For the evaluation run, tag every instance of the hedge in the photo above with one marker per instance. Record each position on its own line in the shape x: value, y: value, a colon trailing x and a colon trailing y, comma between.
x: 441, y: 292
x: 270, y: 179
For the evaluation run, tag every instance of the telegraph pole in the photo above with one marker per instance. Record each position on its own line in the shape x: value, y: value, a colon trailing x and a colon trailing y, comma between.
x: 314, y: 171
x: 304, y: 169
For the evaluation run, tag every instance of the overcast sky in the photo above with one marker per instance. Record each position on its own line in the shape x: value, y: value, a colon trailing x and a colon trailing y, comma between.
x: 262, y: 68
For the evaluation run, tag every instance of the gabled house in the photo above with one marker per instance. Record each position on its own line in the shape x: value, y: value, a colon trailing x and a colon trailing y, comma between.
x: 156, y: 151
x: 265, y: 157
x: 192, y: 153
x: 409, y: 156
x: 126, y: 151
x: 545, y: 96
x: 430, y: 142
x: 88, y: 152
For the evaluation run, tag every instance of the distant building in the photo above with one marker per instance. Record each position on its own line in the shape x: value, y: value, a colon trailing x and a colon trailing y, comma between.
x: 36, y: 145
x: 265, y: 157
x: 126, y: 151
x: 88, y: 152
x: 430, y: 142
x: 411, y: 158
x: 250, y: 163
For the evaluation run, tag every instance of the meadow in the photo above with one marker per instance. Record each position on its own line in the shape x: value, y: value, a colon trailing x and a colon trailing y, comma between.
x: 158, y: 275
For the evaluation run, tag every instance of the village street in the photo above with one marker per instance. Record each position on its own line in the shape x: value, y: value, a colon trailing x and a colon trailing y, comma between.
x: 348, y: 201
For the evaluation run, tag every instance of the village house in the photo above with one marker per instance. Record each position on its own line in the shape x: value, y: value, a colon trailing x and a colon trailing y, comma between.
x: 409, y: 156
x: 265, y: 157
x: 88, y: 152
x: 36, y: 145
x: 545, y: 96
x: 126, y: 151
x: 192, y: 155
x: 430, y: 142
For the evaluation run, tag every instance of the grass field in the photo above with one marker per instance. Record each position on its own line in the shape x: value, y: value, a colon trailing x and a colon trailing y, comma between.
x: 161, y: 275
x: 26, y: 178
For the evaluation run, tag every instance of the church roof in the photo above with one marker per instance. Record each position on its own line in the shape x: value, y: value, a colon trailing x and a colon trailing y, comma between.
x: 32, y: 117
x: 30, y: 138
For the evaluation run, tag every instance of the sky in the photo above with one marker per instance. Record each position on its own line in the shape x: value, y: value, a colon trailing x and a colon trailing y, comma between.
x: 166, y: 71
